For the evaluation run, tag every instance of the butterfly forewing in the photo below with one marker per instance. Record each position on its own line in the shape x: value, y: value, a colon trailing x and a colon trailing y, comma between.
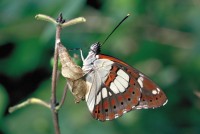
x: 116, y: 88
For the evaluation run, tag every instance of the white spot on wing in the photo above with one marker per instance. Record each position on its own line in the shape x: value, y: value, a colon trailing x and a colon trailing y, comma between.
x: 124, y: 111
x: 116, y: 115
x: 104, y: 92
x: 145, y: 107
x: 114, y: 88
x: 110, y: 93
x: 154, y: 91
x: 98, y: 98
x: 119, y: 86
x: 107, y: 118
x: 122, y: 81
x: 123, y: 74
x: 165, y: 102
x: 140, y: 81
x: 141, y: 74
x: 158, y: 90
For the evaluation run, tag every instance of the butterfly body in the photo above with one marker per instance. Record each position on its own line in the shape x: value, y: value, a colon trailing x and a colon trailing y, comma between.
x: 114, y: 87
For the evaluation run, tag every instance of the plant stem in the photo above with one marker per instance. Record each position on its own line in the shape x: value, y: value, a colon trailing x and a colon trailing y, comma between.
x: 54, y: 78
x: 63, y: 96
x: 60, y: 23
x: 28, y: 102
x: 73, y: 21
x: 45, y: 18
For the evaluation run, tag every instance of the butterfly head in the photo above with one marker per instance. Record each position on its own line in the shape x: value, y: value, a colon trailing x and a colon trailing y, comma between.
x: 95, y: 48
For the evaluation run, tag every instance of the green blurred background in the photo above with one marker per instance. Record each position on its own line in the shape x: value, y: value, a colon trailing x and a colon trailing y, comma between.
x: 160, y: 38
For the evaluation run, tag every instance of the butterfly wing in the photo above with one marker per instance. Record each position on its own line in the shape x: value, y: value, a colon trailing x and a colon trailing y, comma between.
x: 116, y: 88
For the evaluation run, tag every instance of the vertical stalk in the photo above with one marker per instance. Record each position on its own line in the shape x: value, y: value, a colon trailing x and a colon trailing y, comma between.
x: 54, y: 78
x: 60, y: 23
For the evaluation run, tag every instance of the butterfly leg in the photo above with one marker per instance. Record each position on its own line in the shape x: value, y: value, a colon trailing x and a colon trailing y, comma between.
x: 81, y: 52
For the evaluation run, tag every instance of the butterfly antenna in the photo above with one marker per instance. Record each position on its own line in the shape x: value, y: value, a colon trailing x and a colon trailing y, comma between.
x: 116, y: 28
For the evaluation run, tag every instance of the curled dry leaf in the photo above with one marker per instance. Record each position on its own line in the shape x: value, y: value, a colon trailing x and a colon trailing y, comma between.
x: 73, y: 73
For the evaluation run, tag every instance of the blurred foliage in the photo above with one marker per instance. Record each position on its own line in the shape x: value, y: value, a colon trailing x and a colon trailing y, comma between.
x: 160, y: 38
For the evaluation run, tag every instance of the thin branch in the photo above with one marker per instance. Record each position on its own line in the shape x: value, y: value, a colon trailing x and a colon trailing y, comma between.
x: 63, y: 96
x: 45, y: 18
x: 63, y: 24
x: 28, y: 102
x: 54, y: 78
x: 60, y: 23
x: 73, y: 21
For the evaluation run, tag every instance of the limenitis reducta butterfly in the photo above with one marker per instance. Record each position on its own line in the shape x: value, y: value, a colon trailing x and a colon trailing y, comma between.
x: 115, y: 88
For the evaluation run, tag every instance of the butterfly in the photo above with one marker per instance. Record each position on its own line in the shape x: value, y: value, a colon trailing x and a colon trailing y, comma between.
x: 115, y: 88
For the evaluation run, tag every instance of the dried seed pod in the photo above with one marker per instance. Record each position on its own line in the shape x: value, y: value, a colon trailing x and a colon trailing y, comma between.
x: 78, y: 89
x: 73, y: 73
x: 69, y: 68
